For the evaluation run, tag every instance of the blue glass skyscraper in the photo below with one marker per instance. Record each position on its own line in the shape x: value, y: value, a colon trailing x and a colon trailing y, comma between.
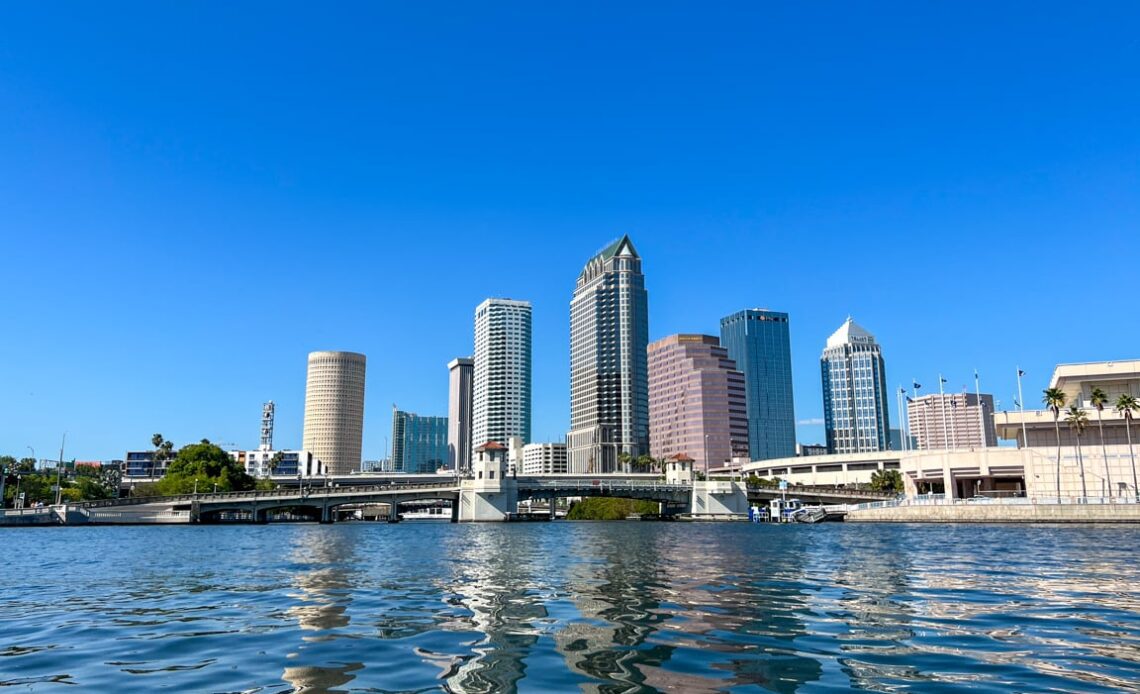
x: 759, y: 342
x: 419, y: 444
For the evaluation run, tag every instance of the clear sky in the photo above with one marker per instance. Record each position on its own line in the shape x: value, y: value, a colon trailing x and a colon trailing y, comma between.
x: 195, y: 195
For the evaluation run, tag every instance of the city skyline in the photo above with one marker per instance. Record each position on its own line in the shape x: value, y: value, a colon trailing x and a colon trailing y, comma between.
x: 272, y: 211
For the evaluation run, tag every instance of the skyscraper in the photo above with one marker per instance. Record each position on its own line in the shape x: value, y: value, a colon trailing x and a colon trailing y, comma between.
x: 696, y: 401
x: 502, y: 371
x: 419, y: 444
x: 334, y: 410
x: 854, y: 392
x: 461, y: 373
x: 759, y: 342
x: 609, y: 378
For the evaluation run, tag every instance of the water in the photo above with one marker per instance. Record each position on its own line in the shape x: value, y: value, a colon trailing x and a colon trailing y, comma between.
x: 550, y: 607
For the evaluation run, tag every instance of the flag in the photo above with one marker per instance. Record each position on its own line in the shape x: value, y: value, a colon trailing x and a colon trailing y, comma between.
x: 943, y: 379
x: 1016, y: 403
x: 917, y: 385
x: 1020, y: 373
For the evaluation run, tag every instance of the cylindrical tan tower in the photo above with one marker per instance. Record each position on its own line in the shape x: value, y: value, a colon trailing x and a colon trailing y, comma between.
x: 334, y: 410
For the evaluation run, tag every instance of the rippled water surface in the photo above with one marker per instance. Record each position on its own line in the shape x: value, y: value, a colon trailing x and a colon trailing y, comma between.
x: 548, y: 607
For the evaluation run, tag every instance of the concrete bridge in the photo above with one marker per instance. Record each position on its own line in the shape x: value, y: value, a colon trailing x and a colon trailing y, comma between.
x: 486, y: 494
x: 472, y: 499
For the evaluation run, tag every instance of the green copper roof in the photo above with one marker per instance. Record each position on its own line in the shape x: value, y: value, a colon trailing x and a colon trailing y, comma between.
x: 615, y: 247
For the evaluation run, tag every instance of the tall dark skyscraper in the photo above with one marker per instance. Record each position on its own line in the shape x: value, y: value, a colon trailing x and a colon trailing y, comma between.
x: 759, y: 342
x: 854, y: 392
x: 609, y: 372
x: 460, y: 394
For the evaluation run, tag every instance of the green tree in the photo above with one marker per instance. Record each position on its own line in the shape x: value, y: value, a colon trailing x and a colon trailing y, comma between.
x: 275, y: 462
x: 608, y: 508
x: 887, y: 481
x: 207, y: 465
x: 1054, y: 399
x: 1099, y: 399
x: 1127, y: 404
x: 645, y: 463
x: 1078, y: 420
x: 624, y: 460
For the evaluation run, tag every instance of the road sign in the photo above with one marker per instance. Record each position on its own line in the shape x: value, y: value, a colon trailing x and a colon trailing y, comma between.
x: 783, y: 485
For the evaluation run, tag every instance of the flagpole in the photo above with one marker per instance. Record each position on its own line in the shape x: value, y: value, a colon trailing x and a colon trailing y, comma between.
x: 914, y: 383
x: 1021, y: 404
x: 942, y: 404
x: 902, y: 427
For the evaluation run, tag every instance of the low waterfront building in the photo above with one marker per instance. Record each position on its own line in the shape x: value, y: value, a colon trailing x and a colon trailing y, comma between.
x: 265, y: 463
x: 983, y: 472
x: 1076, y: 381
x: 544, y: 459
x: 141, y: 464
x: 953, y: 420
x: 836, y: 470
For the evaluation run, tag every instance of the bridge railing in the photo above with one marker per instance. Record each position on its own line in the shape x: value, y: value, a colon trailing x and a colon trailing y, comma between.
x: 299, y: 493
x: 589, y: 484
x: 824, y: 490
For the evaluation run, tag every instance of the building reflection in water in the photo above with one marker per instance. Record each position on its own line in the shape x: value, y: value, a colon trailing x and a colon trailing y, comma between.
x: 324, y: 594
x: 496, y: 579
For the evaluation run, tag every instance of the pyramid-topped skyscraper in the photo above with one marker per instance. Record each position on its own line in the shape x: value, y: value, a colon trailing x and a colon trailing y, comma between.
x: 609, y: 372
x: 854, y: 392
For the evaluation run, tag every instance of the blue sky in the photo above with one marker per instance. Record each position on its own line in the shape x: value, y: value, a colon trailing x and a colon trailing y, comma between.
x: 193, y: 196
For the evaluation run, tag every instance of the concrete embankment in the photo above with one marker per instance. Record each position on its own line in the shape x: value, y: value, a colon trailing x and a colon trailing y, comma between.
x: 999, y: 513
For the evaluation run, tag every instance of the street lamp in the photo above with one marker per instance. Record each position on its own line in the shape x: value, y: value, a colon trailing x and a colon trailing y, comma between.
x: 706, y: 457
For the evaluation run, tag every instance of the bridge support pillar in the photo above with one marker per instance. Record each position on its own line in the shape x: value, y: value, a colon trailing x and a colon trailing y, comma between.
x: 719, y: 500
x: 481, y: 502
x: 326, y: 514
x: 553, y: 507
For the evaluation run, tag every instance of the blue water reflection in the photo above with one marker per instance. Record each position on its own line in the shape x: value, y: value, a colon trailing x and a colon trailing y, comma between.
x: 594, y: 607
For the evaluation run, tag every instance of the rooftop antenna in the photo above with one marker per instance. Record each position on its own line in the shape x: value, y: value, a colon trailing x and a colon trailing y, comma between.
x: 267, y: 426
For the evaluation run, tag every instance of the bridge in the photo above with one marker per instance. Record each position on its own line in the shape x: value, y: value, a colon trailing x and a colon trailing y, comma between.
x: 471, y: 499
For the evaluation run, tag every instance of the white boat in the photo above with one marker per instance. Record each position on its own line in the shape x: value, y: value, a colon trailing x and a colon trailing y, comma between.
x: 428, y: 513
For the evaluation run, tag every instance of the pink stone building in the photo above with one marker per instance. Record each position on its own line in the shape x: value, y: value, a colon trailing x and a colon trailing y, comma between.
x: 696, y: 401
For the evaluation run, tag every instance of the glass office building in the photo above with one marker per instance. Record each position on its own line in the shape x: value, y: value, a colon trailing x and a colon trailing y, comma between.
x: 419, y: 444
x: 759, y: 342
x: 854, y: 392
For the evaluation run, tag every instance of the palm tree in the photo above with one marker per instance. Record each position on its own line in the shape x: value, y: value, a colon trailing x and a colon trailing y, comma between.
x: 275, y: 462
x: 1078, y: 420
x: 1054, y: 399
x: 1098, y: 399
x: 624, y: 459
x: 1126, y: 404
x: 645, y: 463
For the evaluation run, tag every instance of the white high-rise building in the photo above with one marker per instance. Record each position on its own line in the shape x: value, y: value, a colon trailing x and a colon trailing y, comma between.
x: 461, y: 374
x: 854, y: 392
x: 334, y: 410
x: 609, y: 370
x: 502, y: 372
